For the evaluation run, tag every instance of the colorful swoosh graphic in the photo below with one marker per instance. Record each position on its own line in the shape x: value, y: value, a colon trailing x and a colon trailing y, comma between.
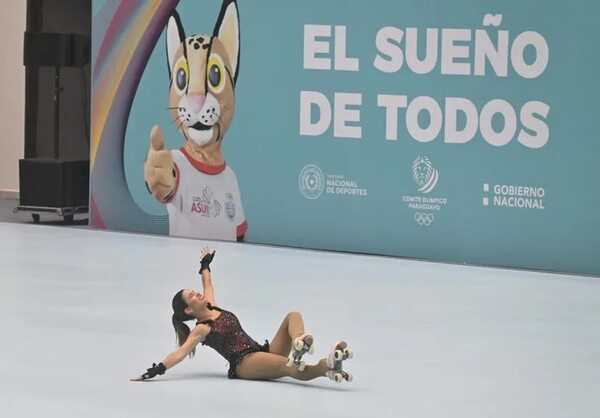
x: 124, y: 35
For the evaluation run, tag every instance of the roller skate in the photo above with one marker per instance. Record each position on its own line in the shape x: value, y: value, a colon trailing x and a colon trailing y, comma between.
x: 339, y: 353
x: 301, y: 345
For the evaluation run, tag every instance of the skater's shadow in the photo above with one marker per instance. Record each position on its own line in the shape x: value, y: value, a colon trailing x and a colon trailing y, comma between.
x: 191, y: 376
x: 303, y: 385
x: 223, y: 376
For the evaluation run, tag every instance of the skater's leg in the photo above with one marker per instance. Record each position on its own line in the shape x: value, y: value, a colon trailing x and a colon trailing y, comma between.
x: 291, y: 327
x: 266, y: 366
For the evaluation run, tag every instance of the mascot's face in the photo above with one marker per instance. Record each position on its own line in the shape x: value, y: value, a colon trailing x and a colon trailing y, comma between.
x: 203, y: 70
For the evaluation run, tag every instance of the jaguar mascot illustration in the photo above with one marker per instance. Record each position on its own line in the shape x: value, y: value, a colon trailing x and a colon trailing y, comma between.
x: 195, y: 183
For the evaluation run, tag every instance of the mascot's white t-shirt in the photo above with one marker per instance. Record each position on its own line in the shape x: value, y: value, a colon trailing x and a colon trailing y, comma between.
x: 207, y: 203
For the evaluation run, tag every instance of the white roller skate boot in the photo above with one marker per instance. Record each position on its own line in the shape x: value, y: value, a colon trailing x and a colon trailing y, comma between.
x: 339, y: 353
x: 301, y: 345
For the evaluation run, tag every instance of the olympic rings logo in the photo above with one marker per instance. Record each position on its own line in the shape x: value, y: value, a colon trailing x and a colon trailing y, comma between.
x: 424, y: 219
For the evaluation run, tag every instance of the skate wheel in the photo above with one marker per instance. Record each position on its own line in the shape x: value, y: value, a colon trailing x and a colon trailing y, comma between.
x: 349, y: 353
x: 302, y: 366
x: 338, y: 378
x: 349, y: 377
x: 298, y: 345
x: 338, y: 354
x: 311, y: 350
x: 289, y: 362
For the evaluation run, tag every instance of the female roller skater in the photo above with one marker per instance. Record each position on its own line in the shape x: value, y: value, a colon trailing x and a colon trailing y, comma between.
x: 221, y: 330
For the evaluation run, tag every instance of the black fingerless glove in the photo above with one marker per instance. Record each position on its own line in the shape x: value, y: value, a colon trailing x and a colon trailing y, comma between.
x: 205, y: 262
x: 154, y: 370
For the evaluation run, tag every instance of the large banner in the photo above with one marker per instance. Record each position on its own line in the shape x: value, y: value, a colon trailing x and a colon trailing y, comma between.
x: 458, y: 131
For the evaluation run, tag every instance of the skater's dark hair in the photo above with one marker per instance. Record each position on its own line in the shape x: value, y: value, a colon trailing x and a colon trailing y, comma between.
x: 179, y: 316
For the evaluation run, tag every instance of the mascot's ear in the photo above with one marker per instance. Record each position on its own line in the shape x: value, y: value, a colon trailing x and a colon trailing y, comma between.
x: 227, y: 30
x: 175, y: 37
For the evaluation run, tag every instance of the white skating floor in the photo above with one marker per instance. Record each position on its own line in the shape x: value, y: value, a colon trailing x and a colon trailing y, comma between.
x: 82, y: 311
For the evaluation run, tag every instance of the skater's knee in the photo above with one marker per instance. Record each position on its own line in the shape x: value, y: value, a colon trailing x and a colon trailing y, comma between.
x: 293, y: 315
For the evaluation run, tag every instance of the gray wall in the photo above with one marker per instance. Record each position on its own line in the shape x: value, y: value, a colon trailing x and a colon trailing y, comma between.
x: 12, y: 86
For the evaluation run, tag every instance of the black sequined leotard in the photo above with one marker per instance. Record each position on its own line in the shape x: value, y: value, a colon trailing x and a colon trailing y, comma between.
x: 227, y: 337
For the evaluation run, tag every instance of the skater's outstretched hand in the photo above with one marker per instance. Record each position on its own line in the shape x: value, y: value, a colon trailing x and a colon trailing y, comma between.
x: 207, y: 257
x: 206, y: 250
x: 151, y: 372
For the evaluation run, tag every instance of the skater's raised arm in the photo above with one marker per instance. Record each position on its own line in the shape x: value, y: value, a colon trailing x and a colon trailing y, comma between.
x: 195, y: 337
x: 209, y: 292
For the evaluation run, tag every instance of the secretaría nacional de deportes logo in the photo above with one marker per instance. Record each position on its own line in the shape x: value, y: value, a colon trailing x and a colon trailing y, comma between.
x: 425, y: 175
x: 311, y: 181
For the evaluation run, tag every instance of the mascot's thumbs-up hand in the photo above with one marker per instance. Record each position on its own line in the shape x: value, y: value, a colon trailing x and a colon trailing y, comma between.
x: 159, y: 170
